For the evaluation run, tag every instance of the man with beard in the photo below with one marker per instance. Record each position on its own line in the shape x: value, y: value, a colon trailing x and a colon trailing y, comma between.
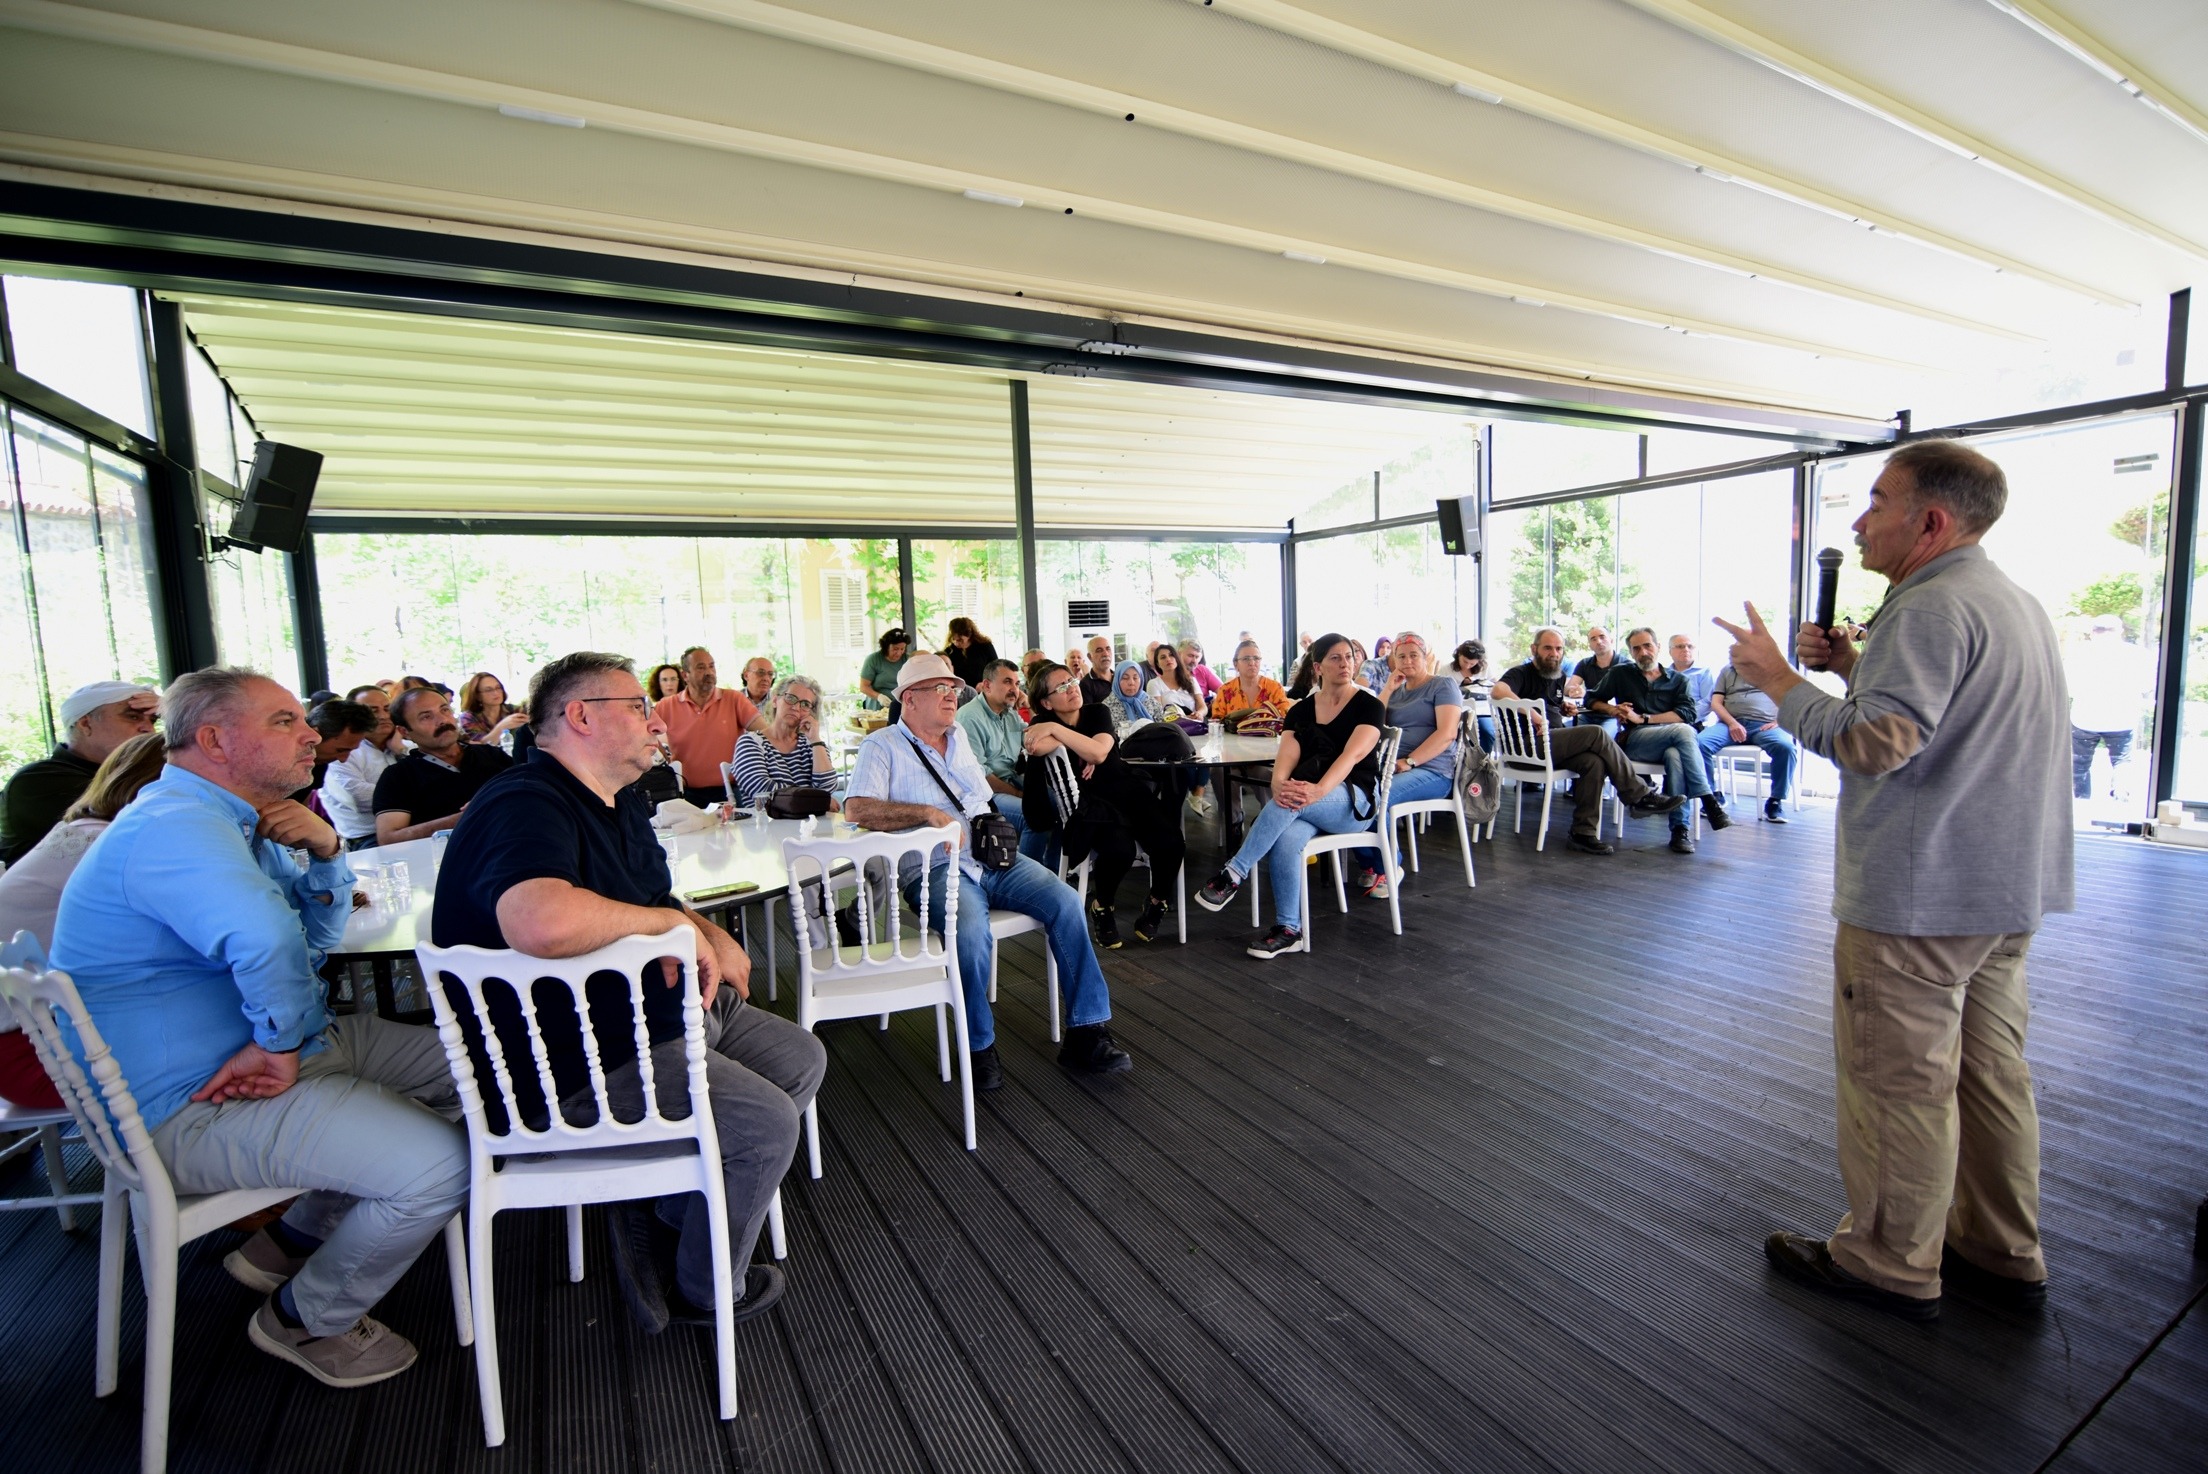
x: 425, y: 791
x: 1587, y: 752
x: 703, y: 722
x: 1654, y: 710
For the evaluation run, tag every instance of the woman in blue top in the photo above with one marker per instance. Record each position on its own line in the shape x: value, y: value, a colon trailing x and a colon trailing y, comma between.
x: 1429, y: 708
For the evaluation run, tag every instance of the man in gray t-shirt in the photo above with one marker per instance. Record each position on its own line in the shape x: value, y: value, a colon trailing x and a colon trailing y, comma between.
x: 1745, y: 717
x: 1952, y: 741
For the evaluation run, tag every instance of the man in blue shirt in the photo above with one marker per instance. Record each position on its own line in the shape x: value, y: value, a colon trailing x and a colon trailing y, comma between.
x: 194, y: 938
x: 1700, y: 679
x: 899, y: 782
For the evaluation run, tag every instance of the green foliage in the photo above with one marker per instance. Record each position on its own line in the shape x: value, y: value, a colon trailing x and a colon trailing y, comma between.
x: 2121, y: 594
x: 2145, y: 526
x: 1569, y: 575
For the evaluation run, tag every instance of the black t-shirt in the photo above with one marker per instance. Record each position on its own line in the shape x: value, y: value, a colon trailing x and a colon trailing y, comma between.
x: 1594, y: 672
x: 37, y: 796
x: 424, y: 789
x: 543, y: 822
x: 1528, y: 684
x: 1036, y: 804
x: 968, y: 664
x: 1319, y: 744
x: 1094, y: 689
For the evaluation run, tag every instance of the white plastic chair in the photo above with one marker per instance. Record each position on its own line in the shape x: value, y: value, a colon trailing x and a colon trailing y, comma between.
x: 1522, y: 750
x: 1377, y: 835
x: 138, y: 1192
x: 1733, y: 758
x: 766, y: 903
x: 558, y: 1164
x: 1412, y: 813
x: 1653, y: 775
x: 42, y: 1127
x: 895, y: 967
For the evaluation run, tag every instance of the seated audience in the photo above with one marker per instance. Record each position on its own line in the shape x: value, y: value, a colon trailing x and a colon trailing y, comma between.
x: 899, y: 783
x: 1375, y: 672
x: 1324, y: 782
x: 1096, y: 686
x: 786, y: 751
x: 758, y: 681
x: 1699, y: 678
x: 560, y: 860
x: 349, y: 787
x: 1469, y: 665
x: 1304, y: 676
x: 1592, y: 668
x: 1744, y: 716
x: 1077, y: 664
x: 1173, y: 692
x: 1655, y: 713
x: 340, y: 728
x: 703, y: 721
x: 1192, y: 661
x: 665, y: 681
x: 95, y: 720
x: 1429, y: 709
x: 1249, y: 691
x: 30, y: 894
x: 195, y: 939
x: 994, y: 734
x: 1119, y: 809
x: 1586, y: 751
x: 1129, y: 703
x: 425, y: 791
x: 968, y: 650
x: 878, y: 672
x: 483, y: 711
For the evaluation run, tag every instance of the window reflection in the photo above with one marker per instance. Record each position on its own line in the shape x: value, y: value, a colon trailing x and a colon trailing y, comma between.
x: 82, y: 339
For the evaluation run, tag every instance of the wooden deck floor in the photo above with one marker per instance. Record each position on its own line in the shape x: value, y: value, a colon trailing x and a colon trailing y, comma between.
x: 1488, y: 1196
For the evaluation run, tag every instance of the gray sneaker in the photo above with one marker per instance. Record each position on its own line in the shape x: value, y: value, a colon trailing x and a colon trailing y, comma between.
x: 260, y: 1263
x: 370, y: 1352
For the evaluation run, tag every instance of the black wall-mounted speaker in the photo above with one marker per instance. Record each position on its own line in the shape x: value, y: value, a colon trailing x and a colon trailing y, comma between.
x: 1460, y: 533
x: 277, y: 495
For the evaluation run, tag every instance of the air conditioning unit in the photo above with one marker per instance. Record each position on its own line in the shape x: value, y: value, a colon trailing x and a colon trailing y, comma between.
x: 1088, y: 614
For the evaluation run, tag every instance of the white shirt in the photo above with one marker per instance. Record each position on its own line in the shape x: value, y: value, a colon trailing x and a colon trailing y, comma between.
x: 1161, y: 696
x: 30, y: 892
x: 349, y: 790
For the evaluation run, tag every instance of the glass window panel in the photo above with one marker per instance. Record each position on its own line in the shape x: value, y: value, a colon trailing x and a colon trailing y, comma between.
x: 1534, y: 459
x: 242, y: 436
x: 1659, y: 564
x: 54, y: 474
x: 83, y: 340
x: 1446, y: 467
x: 1351, y: 503
x: 255, y: 619
x: 2085, y: 532
x: 125, y: 504
x: 26, y: 719
x: 1691, y: 450
x: 1369, y: 584
x: 211, y: 434
x: 2192, y: 743
x: 978, y: 579
x: 1210, y: 592
x: 1517, y: 558
x: 1747, y: 552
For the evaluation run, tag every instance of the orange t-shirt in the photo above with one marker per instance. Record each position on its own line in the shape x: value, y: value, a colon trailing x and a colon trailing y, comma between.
x: 1270, y: 697
x: 705, y: 737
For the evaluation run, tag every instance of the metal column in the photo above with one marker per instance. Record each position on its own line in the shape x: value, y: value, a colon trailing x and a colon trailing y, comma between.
x: 1023, y: 513
x: 910, y: 604
x: 306, y: 610
x: 1288, y: 650
x: 180, y: 544
x: 2177, y: 606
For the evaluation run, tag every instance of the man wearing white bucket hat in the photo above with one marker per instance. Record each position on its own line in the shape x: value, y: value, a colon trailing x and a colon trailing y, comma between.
x: 922, y: 772
x: 95, y: 720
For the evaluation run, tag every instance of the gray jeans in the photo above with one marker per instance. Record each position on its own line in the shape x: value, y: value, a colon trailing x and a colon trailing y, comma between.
x: 761, y: 1072
x: 369, y: 1131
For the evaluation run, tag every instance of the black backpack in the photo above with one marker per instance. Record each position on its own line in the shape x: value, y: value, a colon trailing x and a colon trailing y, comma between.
x: 1157, y: 742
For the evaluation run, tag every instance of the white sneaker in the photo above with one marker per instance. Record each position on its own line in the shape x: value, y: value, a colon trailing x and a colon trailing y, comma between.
x: 1202, y: 804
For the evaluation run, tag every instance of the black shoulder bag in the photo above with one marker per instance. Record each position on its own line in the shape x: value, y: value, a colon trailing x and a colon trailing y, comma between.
x: 996, y: 838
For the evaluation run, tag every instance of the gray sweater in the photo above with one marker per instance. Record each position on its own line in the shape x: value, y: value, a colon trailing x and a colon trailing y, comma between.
x: 1954, y: 749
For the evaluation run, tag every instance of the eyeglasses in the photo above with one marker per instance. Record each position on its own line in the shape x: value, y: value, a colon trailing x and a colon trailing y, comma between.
x: 1062, y: 686
x: 797, y: 703
x: 638, y: 704
x: 939, y: 688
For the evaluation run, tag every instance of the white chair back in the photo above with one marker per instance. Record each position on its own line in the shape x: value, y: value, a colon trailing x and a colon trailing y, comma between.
x: 889, y: 945
x: 39, y: 998
x: 1521, y: 736
x: 480, y: 973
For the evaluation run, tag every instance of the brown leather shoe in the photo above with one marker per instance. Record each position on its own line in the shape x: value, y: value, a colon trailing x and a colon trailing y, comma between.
x: 1808, y: 1261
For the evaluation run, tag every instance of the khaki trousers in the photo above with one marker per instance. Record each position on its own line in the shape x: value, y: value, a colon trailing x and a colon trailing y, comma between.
x: 1939, y: 1136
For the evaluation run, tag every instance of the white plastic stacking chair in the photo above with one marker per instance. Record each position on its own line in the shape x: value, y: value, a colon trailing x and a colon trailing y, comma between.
x: 1411, y: 813
x: 766, y: 904
x: 1377, y: 835
x: 554, y: 1163
x: 1522, y: 750
x: 896, y: 965
x: 1653, y: 775
x: 138, y: 1193
x: 42, y: 1127
x: 1735, y: 758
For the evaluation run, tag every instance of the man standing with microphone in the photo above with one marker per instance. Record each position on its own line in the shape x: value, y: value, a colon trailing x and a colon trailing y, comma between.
x: 1954, y: 842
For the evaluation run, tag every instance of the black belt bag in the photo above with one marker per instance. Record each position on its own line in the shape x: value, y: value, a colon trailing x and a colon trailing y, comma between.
x: 996, y: 838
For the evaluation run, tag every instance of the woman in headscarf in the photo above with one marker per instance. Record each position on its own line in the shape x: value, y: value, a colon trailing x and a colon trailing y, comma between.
x: 1129, y: 704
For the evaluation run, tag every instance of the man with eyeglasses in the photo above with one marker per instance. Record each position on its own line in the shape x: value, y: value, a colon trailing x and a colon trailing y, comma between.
x: 899, y: 782
x: 997, y: 736
x: 97, y: 719
x: 559, y: 859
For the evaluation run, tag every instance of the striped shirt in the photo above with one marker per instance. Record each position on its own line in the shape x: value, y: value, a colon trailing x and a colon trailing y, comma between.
x: 762, y: 768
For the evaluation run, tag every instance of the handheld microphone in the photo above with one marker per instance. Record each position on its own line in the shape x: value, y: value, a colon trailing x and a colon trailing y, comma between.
x: 1828, y: 591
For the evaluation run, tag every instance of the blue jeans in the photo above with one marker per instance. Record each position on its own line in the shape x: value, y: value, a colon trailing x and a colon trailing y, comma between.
x: 1419, y: 783
x: 1774, y: 742
x: 1673, y: 745
x: 1039, y: 845
x: 1032, y: 891
x: 1278, y: 837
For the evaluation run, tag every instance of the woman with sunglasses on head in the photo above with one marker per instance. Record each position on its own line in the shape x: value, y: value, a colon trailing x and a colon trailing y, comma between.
x: 1120, y: 809
x: 787, y: 752
x: 1325, y: 779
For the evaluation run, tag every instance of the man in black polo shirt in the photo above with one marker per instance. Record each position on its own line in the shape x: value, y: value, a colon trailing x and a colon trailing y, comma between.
x: 1654, y: 707
x: 559, y: 859
x: 1587, y: 751
x: 425, y: 791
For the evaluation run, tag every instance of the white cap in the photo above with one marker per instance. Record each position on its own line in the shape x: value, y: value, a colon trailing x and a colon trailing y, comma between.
x: 86, y: 700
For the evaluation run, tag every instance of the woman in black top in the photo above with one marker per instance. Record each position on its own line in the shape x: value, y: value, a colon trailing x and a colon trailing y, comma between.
x: 968, y: 650
x: 1331, y: 775
x: 1119, y: 807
